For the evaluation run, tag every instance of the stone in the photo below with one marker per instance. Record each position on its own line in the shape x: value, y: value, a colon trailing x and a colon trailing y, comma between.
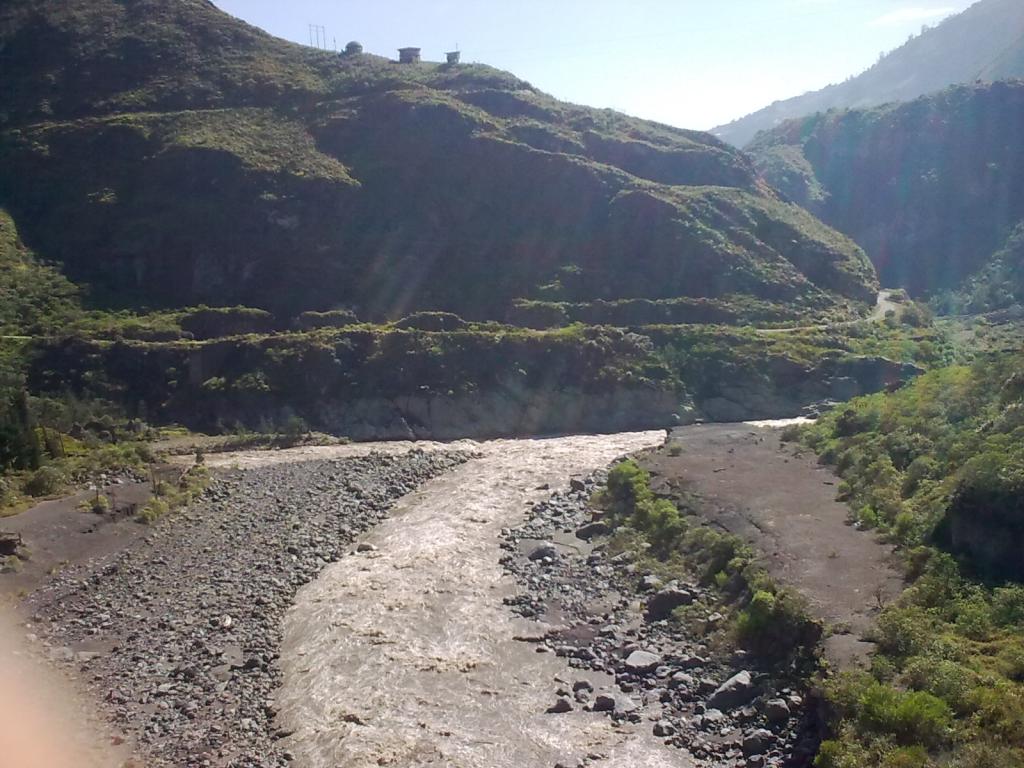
x: 642, y: 661
x: 650, y: 582
x: 577, y: 485
x: 624, y: 705
x: 757, y: 742
x: 604, y: 702
x: 734, y: 692
x: 593, y: 531
x: 560, y: 707
x: 364, y: 547
x: 543, y: 551
x: 776, y: 711
x: 664, y: 728
x: 663, y: 602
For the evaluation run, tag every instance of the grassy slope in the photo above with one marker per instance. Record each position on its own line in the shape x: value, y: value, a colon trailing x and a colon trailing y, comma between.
x: 170, y: 155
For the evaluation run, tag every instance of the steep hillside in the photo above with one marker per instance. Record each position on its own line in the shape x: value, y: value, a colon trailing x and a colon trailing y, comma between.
x: 933, y: 189
x: 169, y: 155
x: 985, y: 42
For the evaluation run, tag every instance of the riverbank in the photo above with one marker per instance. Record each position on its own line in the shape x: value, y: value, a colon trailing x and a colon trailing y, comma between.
x: 177, y: 637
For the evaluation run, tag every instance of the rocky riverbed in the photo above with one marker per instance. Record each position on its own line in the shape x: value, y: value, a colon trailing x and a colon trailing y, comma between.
x: 613, y: 619
x: 179, y: 636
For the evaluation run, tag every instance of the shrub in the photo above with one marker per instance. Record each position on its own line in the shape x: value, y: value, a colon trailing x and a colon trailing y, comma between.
x: 904, y: 632
x: 914, y: 718
x: 908, y: 757
x: 948, y: 680
x: 628, y: 486
x: 974, y: 619
x: 1008, y: 606
x: 153, y: 511
x: 773, y: 626
x: 46, y: 481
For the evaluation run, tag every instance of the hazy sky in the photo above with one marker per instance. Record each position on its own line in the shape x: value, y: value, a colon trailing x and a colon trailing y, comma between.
x: 690, y: 63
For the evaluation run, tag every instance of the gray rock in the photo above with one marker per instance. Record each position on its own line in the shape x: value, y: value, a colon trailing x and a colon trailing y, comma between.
x: 776, y: 710
x: 662, y: 603
x: 545, y: 550
x: 757, y: 742
x: 650, y: 582
x: 734, y: 692
x: 642, y: 661
x: 624, y: 705
x: 593, y: 531
x: 664, y: 728
x: 560, y: 707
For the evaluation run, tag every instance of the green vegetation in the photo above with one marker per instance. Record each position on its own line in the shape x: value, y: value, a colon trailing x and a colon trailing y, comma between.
x: 166, y: 499
x: 939, y: 468
x: 770, y: 622
x: 905, y: 456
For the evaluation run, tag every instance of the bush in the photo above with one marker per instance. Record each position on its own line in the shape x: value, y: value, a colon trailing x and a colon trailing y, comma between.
x: 908, y: 757
x: 948, y: 680
x: 773, y: 626
x: 153, y: 511
x: 914, y: 718
x: 904, y: 632
x: 1008, y: 606
x: 45, y: 481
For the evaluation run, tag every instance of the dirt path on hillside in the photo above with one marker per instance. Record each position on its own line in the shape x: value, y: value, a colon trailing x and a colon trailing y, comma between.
x: 884, y: 303
x: 405, y: 655
x: 755, y: 487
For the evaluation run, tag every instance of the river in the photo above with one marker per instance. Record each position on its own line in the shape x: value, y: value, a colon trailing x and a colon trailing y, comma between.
x: 404, y: 655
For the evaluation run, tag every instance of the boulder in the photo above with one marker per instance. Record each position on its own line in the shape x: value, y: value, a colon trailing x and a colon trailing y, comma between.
x: 560, y: 707
x: 776, y: 711
x: 757, y: 742
x: 664, y: 728
x: 642, y: 661
x: 734, y: 692
x: 662, y: 603
x: 542, y: 551
x: 593, y: 531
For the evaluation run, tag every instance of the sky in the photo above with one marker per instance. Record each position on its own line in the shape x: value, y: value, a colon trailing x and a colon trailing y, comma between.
x: 688, y: 63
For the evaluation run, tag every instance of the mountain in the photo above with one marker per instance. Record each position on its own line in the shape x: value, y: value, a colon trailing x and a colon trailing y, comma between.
x: 932, y: 189
x: 985, y: 42
x: 168, y: 155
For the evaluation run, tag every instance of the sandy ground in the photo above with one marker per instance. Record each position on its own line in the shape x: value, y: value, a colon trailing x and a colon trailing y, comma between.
x: 57, y: 533
x: 405, y: 655
x: 754, y: 486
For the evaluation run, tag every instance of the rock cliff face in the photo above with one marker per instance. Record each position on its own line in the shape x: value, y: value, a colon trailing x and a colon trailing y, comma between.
x: 169, y: 155
x: 932, y: 189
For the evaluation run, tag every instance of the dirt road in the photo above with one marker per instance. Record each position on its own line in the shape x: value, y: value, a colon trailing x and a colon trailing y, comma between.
x: 405, y: 655
x: 785, y: 505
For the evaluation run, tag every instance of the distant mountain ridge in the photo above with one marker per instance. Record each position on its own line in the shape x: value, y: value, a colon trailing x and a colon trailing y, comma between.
x: 985, y: 42
x: 168, y: 155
